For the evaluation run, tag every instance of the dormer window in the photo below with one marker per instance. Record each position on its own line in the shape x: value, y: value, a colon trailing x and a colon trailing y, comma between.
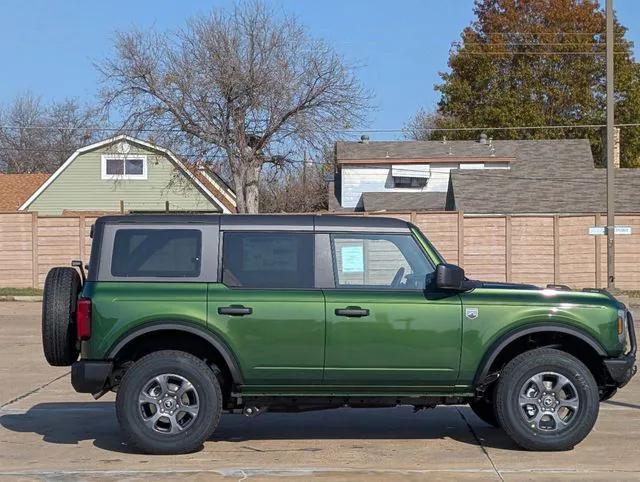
x: 128, y: 166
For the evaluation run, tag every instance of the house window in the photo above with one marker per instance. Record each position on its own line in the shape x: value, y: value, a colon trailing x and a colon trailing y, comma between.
x: 410, y: 175
x: 124, y: 167
x: 409, y: 181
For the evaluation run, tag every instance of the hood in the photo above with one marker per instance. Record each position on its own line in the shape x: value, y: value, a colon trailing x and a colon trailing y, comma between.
x: 507, y: 286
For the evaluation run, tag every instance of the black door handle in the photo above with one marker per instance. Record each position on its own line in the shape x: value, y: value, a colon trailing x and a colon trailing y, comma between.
x: 352, y: 311
x: 234, y: 310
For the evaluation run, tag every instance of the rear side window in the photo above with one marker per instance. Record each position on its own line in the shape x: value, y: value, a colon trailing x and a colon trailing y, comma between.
x: 268, y: 260
x: 161, y: 253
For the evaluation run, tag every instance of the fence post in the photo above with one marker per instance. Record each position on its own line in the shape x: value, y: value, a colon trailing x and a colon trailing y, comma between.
x: 556, y: 249
x: 598, y: 253
x: 414, y: 216
x: 34, y: 249
x: 507, y: 247
x: 460, y: 238
x: 81, y: 225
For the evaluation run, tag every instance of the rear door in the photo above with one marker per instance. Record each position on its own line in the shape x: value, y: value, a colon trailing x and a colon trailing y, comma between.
x: 386, y: 324
x: 267, y: 307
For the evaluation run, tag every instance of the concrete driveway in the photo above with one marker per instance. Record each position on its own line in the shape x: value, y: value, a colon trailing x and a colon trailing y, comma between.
x: 47, y: 431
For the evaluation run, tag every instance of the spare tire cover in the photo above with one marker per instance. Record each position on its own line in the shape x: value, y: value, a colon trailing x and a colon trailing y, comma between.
x: 61, y: 290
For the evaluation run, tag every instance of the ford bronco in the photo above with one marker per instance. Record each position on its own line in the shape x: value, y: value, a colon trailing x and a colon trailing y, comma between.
x: 189, y: 316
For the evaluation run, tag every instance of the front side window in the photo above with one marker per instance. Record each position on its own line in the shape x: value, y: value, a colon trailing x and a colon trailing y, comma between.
x: 157, y: 253
x: 379, y: 261
x: 268, y: 260
x: 124, y: 167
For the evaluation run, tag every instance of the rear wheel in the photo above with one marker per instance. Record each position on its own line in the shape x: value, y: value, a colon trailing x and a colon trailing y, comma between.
x: 169, y: 402
x: 60, y: 297
x: 547, y: 399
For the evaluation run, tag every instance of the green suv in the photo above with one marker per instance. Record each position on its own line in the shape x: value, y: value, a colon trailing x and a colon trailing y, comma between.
x: 190, y: 316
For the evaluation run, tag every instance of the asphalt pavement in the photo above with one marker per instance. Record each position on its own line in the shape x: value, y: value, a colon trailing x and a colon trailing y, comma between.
x: 49, y: 432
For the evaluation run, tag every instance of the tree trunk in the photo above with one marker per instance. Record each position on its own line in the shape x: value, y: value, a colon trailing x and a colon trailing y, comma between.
x: 247, y: 179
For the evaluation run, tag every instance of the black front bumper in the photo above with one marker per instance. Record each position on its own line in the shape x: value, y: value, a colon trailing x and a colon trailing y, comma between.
x: 623, y: 368
x: 88, y: 376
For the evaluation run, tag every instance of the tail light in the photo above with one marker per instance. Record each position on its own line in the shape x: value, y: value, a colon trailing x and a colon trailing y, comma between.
x: 83, y: 319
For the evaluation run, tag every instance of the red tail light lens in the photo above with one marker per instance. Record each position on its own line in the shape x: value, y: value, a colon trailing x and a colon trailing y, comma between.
x: 83, y: 319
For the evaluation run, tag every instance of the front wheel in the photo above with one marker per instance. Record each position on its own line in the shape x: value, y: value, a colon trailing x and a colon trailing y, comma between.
x: 547, y: 399
x: 169, y: 402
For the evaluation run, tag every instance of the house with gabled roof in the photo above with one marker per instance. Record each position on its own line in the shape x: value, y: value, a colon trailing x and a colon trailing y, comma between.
x: 477, y: 177
x: 124, y: 173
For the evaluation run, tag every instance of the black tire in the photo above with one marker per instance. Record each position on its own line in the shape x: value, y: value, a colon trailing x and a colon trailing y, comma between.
x: 59, y: 337
x: 529, y: 434
x: 130, y: 412
x: 485, y: 411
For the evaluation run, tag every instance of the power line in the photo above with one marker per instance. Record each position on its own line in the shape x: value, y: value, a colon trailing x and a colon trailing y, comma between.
x: 559, y: 32
x: 535, y: 44
x: 359, y: 131
x: 508, y: 52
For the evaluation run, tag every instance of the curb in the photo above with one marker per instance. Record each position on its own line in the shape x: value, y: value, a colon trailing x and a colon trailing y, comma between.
x: 21, y: 298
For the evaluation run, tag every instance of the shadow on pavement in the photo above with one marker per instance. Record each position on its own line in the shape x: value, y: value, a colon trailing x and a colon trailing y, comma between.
x: 71, y: 423
x: 623, y: 404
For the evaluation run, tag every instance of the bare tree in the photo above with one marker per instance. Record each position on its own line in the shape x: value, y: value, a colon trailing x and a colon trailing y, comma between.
x: 35, y: 137
x: 246, y: 86
x: 300, y: 189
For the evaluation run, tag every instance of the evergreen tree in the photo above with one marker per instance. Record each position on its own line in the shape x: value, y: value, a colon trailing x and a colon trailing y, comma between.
x: 537, y: 63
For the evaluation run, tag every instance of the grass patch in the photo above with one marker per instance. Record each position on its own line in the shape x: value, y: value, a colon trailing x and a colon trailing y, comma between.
x: 20, y: 292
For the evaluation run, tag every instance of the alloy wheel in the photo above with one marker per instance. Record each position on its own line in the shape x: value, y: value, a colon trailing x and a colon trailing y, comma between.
x: 168, y: 403
x: 549, y: 402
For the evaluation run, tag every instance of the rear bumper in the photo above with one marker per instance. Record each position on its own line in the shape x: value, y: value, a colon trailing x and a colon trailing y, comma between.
x: 88, y: 376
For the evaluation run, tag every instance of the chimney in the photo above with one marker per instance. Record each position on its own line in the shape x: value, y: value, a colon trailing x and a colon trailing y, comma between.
x: 364, y: 139
x: 616, y: 147
x: 483, y: 138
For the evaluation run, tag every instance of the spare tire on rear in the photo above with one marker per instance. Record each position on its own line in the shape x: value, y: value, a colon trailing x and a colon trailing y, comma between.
x: 59, y: 302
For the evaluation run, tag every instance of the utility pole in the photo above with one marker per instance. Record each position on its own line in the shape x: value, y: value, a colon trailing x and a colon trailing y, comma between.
x: 304, y: 182
x: 611, y: 241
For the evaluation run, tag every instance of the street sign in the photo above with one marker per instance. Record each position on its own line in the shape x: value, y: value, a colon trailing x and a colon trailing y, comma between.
x: 602, y: 230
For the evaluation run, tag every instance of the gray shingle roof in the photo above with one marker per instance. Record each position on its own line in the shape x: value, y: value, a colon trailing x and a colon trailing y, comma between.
x: 546, y: 176
x: 490, y: 192
x: 403, y: 201
x: 577, y: 150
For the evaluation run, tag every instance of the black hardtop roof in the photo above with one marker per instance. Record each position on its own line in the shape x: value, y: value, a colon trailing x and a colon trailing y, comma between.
x: 304, y: 222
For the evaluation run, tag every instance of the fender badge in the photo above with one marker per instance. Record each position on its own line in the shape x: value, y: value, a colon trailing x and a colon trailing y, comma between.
x: 471, y: 313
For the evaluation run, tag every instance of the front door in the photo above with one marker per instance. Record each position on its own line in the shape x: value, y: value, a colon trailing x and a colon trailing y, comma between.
x: 267, y: 308
x: 386, y: 325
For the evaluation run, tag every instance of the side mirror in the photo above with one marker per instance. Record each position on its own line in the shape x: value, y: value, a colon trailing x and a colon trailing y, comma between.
x: 450, y: 277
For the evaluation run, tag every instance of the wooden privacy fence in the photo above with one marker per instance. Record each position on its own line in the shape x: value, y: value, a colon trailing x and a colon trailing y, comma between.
x: 538, y: 249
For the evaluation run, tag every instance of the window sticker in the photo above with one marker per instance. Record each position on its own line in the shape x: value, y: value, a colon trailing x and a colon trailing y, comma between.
x: 352, y: 259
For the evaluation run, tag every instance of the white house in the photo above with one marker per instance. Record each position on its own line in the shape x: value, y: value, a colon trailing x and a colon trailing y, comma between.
x: 411, y: 167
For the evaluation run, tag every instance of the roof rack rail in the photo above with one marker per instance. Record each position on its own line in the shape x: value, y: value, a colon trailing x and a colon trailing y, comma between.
x: 558, y: 287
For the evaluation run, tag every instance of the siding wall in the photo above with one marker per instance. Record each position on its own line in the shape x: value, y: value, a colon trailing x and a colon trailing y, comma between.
x: 518, y: 248
x: 80, y: 187
x: 357, y: 179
